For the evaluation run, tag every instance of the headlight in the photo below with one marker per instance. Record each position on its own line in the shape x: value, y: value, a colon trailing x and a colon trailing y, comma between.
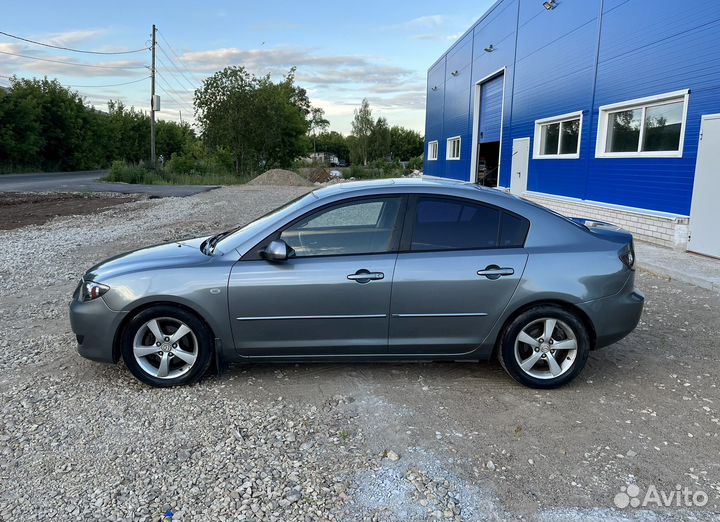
x: 90, y: 290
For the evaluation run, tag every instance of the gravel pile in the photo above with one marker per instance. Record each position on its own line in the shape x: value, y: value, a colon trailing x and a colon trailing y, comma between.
x: 280, y: 177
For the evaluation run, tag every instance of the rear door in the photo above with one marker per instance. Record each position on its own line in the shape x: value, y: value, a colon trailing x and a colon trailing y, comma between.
x: 459, y: 265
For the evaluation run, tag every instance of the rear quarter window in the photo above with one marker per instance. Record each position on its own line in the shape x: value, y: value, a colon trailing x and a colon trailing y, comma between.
x: 513, y: 230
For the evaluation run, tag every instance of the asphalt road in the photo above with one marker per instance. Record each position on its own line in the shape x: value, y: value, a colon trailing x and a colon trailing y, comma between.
x: 88, y: 181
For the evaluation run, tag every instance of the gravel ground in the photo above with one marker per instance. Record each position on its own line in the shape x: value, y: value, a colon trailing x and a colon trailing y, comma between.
x: 387, y: 442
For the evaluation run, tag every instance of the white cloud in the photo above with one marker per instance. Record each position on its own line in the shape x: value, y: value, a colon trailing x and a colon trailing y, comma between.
x: 421, y: 23
x: 336, y: 82
x: 42, y: 61
x: 68, y: 38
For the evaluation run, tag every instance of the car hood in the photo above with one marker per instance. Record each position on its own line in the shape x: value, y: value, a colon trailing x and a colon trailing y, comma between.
x: 605, y: 230
x: 168, y: 255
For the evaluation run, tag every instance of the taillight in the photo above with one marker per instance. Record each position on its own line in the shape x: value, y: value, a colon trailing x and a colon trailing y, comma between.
x: 627, y: 256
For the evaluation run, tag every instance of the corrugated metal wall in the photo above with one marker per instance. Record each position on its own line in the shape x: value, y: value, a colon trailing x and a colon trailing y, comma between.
x: 580, y: 56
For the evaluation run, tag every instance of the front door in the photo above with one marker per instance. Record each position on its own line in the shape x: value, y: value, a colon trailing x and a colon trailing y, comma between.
x: 333, y: 296
x: 704, y: 212
x: 461, y: 265
x: 519, y: 168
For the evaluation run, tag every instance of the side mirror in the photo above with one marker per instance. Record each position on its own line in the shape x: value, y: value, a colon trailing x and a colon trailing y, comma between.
x: 278, y: 250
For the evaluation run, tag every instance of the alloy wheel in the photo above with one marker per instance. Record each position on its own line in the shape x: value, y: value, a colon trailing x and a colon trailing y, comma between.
x: 165, y: 348
x: 546, y: 348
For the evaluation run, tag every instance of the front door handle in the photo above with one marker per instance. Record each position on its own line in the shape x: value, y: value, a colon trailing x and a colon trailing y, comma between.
x: 495, y: 272
x: 365, y: 276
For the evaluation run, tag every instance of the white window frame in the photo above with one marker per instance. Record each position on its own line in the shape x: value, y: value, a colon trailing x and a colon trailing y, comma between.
x: 539, y: 124
x: 641, y: 103
x: 432, y: 157
x: 448, y: 149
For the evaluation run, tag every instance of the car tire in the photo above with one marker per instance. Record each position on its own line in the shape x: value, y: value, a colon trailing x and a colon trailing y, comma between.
x: 532, y: 359
x: 166, y: 346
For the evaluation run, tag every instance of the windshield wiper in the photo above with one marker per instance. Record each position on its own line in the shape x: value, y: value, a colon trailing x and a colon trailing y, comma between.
x: 208, y: 246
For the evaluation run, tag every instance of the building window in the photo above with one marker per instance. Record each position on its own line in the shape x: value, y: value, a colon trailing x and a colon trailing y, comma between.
x: 453, y: 148
x: 558, y: 137
x: 647, y: 127
x: 432, y: 150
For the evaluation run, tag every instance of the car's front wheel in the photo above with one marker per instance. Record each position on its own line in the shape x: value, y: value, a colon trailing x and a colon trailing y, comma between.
x: 544, y: 347
x: 167, y: 346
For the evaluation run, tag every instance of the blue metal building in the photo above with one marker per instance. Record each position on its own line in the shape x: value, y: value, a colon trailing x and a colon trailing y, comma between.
x: 591, y: 106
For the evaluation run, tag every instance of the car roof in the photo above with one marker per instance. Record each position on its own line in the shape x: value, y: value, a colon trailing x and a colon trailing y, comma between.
x: 399, y: 185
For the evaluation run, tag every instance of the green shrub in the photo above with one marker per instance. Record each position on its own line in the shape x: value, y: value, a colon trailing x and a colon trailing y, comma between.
x: 416, y: 163
x: 141, y: 174
x: 124, y: 172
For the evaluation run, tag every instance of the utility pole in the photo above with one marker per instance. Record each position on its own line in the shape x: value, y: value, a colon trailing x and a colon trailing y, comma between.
x: 152, y: 101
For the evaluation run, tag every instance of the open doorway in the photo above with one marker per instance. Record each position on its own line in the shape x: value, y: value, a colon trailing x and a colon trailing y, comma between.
x: 487, y: 129
x: 488, y: 163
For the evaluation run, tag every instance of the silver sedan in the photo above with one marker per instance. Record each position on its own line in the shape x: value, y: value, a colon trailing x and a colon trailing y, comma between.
x: 388, y: 270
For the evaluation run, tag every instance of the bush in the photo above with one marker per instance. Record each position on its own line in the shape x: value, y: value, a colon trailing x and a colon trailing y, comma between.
x: 141, y: 174
x: 195, y: 160
x: 124, y: 172
x: 416, y: 163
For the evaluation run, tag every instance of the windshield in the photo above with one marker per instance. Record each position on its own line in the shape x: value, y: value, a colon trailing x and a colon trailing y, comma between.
x: 243, y: 231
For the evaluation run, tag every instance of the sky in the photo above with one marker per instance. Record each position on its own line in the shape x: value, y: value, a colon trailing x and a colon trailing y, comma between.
x: 343, y: 51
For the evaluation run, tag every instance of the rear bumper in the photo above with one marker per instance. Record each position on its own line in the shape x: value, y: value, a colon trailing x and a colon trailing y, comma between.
x: 94, y: 325
x: 615, y: 316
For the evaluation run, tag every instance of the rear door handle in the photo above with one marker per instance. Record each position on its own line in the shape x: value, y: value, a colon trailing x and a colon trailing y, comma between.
x: 365, y: 276
x: 495, y: 272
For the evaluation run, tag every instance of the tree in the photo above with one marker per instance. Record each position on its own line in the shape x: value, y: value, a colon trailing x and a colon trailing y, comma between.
x: 263, y: 124
x: 334, y: 143
x: 379, y: 148
x: 405, y: 144
x: 362, y: 127
x: 20, y: 137
x: 318, y: 123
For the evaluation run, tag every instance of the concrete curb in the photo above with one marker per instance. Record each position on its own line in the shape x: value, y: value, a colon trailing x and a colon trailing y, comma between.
x: 679, y: 266
x: 677, y: 275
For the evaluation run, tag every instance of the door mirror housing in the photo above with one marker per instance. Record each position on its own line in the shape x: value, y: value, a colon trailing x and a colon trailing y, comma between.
x: 277, y: 250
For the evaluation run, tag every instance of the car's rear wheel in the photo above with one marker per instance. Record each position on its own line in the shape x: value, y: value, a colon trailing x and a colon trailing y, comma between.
x: 544, y: 347
x: 167, y: 346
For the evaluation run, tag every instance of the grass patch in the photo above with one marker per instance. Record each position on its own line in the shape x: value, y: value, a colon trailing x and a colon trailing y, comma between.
x: 140, y: 174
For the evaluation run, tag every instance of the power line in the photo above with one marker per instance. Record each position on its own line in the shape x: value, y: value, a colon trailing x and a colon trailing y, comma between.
x: 173, y: 75
x: 93, y: 86
x: 110, y: 84
x: 71, y: 49
x: 76, y: 63
x: 189, y: 82
x: 197, y: 80
x: 167, y: 76
x: 178, y: 88
x: 173, y: 100
x: 177, y: 99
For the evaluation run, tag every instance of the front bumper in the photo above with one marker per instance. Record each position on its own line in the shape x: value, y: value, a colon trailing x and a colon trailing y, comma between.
x: 615, y: 316
x: 94, y: 325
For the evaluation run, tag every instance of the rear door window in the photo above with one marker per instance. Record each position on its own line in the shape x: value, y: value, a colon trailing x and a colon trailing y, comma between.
x: 454, y: 224
x: 443, y: 223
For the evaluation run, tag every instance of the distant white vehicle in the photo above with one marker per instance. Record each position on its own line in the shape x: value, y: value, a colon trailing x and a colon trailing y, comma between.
x: 327, y: 158
x: 336, y: 174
